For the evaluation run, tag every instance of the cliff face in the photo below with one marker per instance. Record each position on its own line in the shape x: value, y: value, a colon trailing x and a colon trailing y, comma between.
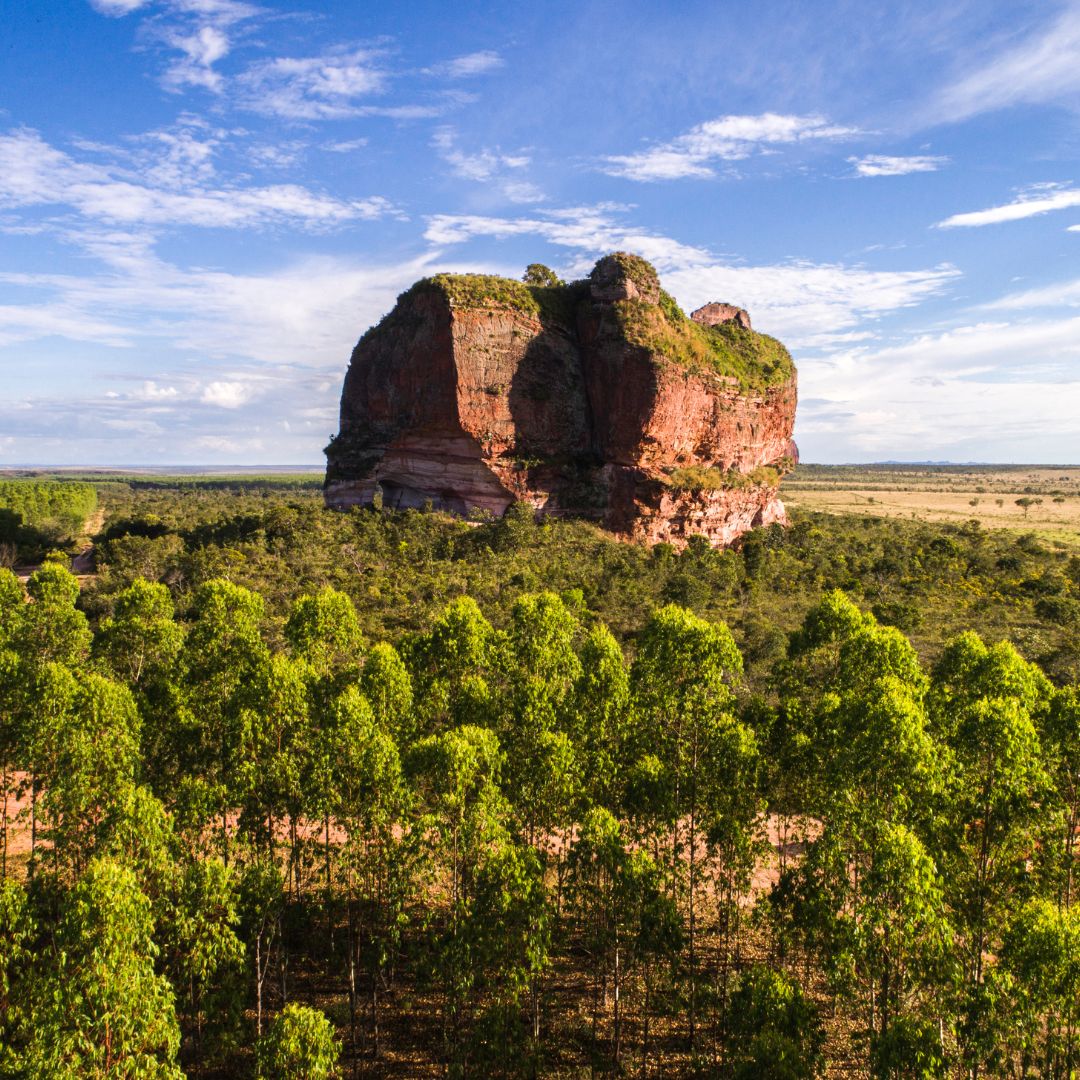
x: 598, y: 399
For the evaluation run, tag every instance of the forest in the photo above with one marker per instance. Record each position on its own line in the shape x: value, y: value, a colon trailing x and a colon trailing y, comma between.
x: 292, y: 793
x: 36, y: 515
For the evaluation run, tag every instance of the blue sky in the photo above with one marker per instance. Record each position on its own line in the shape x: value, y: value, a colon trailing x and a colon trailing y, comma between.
x: 203, y: 204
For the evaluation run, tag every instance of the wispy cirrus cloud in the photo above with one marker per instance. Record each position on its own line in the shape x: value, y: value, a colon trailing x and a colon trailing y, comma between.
x: 948, y: 391
x: 228, y: 365
x: 492, y: 167
x: 117, y: 8
x: 890, y: 165
x: 1040, y: 199
x: 727, y: 138
x: 810, y: 305
x: 35, y: 173
x: 199, y: 30
x: 1040, y: 68
x: 324, y: 87
x: 468, y: 66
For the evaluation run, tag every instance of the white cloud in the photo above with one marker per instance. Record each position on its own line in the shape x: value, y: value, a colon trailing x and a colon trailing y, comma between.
x: 809, y: 305
x: 34, y: 173
x: 1040, y: 69
x: 58, y: 318
x: 228, y: 395
x: 806, y: 304
x: 887, y: 165
x: 1038, y: 200
x: 1060, y: 294
x: 276, y: 155
x: 202, y: 48
x: 727, y: 138
x: 346, y: 146
x: 152, y: 392
x: 590, y: 229
x: 313, y: 88
x: 974, y: 391
x: 313, y: 309
x: 463, y: 67
x: 117, y: 8
x: 487, y: 166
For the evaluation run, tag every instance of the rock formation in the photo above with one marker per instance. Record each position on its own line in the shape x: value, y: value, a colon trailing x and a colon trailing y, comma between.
x: 598, y: 399
x: 714, y: 314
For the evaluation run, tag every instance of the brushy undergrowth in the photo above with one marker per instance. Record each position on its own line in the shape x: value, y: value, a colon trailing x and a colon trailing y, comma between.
x: 704, y: 478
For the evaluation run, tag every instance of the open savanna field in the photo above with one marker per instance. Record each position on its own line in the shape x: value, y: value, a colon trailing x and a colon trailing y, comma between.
x: 1032, y: 498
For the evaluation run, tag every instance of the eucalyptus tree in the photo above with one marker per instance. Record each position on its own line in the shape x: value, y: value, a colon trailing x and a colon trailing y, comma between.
x: 12, y: 607
x: 1040, y: 957
x: 100, y: 1009
x: 273, y: 756
x: 626, y: 917
x: 504, y: 948
x: 464, y: 813
x: 52, y: 629
x: 871, y: 902
x: 18, y: 939
x: 92, y: 765
x: 140, y: 644
x: 225, y: 660
x: 203, y: 955
x: 597, y: 717
x: 452, y: 667
x: 1062, y: 743
x: 987, y: 701
x: 299, y: 1045
x: 387, y: 685
x: 540, y: 670
x: 773, y: 1030
x: 46, y: 699
x: 12, y: 750
x: 682, y: 682
x: 370, y: 802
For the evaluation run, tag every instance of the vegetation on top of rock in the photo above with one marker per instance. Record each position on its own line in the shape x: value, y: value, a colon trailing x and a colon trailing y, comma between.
x: 632, y: 267
x: 756, y: 360
x: 539, y: 274
x: 553, y: 300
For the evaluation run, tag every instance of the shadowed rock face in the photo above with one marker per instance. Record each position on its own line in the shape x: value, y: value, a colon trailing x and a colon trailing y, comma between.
x: 597, y: 399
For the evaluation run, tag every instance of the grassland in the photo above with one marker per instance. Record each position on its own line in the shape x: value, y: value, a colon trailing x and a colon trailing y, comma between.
x: 947, y: 494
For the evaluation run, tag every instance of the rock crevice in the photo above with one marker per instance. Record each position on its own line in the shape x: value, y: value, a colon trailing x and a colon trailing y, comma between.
x: 598, y: 399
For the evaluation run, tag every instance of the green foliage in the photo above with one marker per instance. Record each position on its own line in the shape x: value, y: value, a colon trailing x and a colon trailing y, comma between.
x: 299, y: 1045
x: 702, y: 478
x: 774, y: 1031
x: 324, y: 630
x: 541, y: 782
x: 638, y: 270
x: 99, y: 1009
x: 539, y: 274
x: 36, y: 514
x: 753, y: 361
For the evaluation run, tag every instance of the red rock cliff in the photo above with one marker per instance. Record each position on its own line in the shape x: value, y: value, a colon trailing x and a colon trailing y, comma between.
x: 598, y: 399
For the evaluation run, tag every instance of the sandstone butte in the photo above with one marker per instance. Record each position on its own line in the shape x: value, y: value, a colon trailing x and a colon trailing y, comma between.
x: 597, y: 399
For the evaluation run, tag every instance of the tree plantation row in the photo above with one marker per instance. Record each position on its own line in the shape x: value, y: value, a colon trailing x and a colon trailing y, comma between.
x: 37, y: 514
x: 236, y: 847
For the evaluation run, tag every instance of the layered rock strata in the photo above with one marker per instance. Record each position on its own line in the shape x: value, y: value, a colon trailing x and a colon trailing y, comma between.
x: 598, y: 399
